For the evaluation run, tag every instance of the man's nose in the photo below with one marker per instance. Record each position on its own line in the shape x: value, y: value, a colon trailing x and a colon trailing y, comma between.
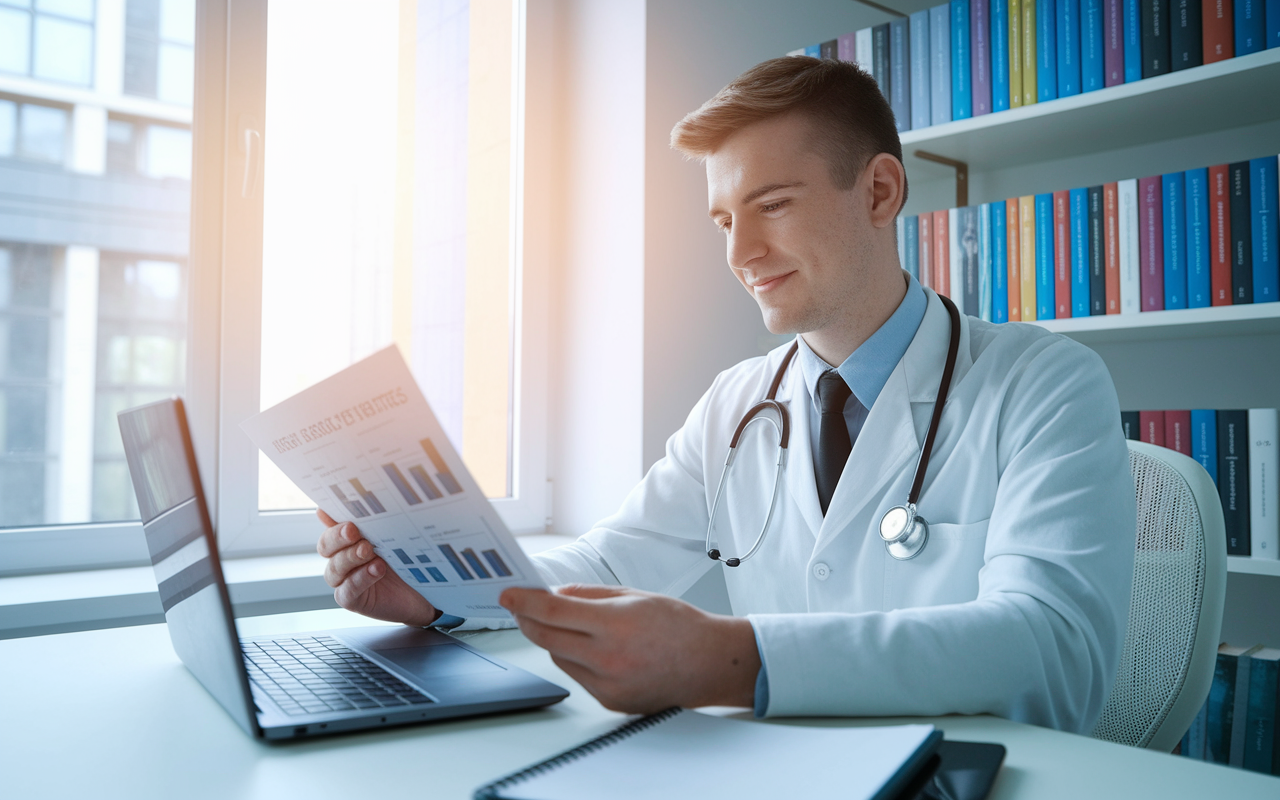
x: 745, y: 244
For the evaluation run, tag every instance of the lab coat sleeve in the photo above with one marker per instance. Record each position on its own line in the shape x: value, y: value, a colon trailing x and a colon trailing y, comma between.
x: 1041, y: 641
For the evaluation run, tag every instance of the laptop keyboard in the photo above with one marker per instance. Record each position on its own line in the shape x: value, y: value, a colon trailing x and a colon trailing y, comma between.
x: 316, y: 674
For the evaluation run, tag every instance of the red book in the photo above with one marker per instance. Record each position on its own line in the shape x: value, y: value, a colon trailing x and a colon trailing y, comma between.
x: 1151, y: 427
x: 926, y: 248
x: 941, y: 254
x: 1220, y: 235
x: 1177, y: 431
x: 1012, y: 228
x: 1216, y: 29
x: 1151, y: 243
x: 1111, y: 245
x: 1062, y: 254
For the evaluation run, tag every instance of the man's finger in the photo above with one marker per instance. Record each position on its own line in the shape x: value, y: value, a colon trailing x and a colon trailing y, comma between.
x: 325, y: 519
x: 573, y: 645
x: 589, y: 591
x: 345, y: 561
x: 336, y: 538
x: 557, y: 610
x: 358, y: 582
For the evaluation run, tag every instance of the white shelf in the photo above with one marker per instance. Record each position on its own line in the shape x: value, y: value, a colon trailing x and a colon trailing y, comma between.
x: 1253, y: 566
x: 1242, y: 320
x: 1220, y: 96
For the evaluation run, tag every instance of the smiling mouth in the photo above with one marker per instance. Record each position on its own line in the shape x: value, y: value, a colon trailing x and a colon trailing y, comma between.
x: 769, y: 283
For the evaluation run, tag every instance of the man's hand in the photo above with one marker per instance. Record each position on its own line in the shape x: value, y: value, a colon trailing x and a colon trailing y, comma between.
x: 639, y: 652
x: 362, y: 582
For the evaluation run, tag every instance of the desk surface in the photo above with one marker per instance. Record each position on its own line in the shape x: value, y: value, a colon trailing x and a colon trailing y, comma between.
x: 113, y: 713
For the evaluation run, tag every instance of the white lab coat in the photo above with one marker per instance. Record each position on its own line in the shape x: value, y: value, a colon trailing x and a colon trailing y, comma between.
x: 1019, y: 602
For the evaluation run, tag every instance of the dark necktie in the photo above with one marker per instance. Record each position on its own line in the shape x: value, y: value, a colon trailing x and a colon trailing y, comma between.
x: 833, y: 435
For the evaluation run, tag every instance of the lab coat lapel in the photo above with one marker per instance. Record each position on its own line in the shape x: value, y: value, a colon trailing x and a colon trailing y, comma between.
x: 799, y: 471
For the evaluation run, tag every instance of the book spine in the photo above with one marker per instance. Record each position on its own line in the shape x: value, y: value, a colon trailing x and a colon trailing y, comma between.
x: 1063, y: 254
x: 1217, y: 24
x: 1151, y: 230
x: 1068, y: 30
x: 1155, y: 37
x: 955, y: 256
x: 1261, y: 715
x: 829, y: 50
x: 1241, y: 233
x: 1172, y: 187
x: 846, y: 47
x: 1240, y: 715
x: 1250, y: 32
x: 1113, y: 42
x: 983, y: 214
x: 999, y: 55
x: 1196, y: 734
x: 911, y: 244
x: 1013, y: 247
x: 999, y: 263
x: 1198, y: 284
x: 1129, y: 425
x: 1221, y: 709
x: 1130, y: 250
x: 1097, y: 257
x: 1046, y: 308
x: 1079, y: 212
x: 940, y: 63
x: 1151, y: 427
x: 961, y: 75
x: 941, y: 253
x: 900, y: 73
x: 1046, y: 50
x: 1272, y: 17
x: 1027, y: 259
x: 1091, y: 46
x: 813, y: 51
x: 1177, y: 431
x: 1111, y: 207
x: 920, y: 97
x: 926, y: 248
x: 1015, y: 54
x: 1204, y: 440
x: 1186, y: 40
x: 1233, y: 478
x: 864, y: 50
x: 1132, y: 41
x: 1264, y: 530
x: 1220, y: 253
x: 1262, y: 201
x: 799, y: 51
x: 880, y: 59
x: 980, y: 52
x: 1030, y: 65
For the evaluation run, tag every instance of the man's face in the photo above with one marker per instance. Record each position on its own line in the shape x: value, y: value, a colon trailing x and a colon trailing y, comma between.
x: 797, y: 243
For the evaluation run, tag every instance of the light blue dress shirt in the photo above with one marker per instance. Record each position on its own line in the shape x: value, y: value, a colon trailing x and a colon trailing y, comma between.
x: 866, y: 371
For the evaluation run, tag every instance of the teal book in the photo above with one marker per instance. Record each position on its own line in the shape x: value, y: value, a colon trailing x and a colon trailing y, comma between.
x: 1222, y: 703
x: 1260, y: 726
x: 1045, y: 308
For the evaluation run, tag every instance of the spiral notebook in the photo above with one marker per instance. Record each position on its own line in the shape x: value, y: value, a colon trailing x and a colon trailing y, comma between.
x: 684, y: 753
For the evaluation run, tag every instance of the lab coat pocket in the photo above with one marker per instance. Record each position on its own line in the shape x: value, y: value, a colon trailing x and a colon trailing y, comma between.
x: 945, y: 571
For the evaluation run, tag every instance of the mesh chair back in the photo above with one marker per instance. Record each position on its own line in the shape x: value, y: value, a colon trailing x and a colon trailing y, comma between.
x: 1175, y: 610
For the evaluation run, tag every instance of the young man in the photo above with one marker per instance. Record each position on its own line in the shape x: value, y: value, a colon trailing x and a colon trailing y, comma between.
x: 1017, y: 604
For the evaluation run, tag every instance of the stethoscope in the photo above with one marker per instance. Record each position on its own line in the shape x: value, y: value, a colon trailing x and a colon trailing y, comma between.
x: 904, y: 531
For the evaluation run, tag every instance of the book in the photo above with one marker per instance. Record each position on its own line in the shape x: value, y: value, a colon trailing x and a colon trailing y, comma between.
x: 968, y: 237
x: 1097, y: 258
x: 1130, y: 250
x: 941, y: 279
x: 880, y: 59
x: 1091, y: 46
x: 1130, y: 422
x: 1262, y: 204
x: 1264, y: 521
x: 986, y: 311
x: 911, y: 244
x: 1151, y: 427
x: 1250, y: 31
x: 1030, y: 64
x: 1240, y: 702
x: 1260, y: 716
x: 864, y: 50
x: 813, y: 51
x: 920, y: 95
x: 1177, y: 431
x: 955, y: 256
x: 1221, y: 704
x: 846, y: 47
x: 1113, y: 42
x: 900, y: 232
x: 1204, y: 440
x: 1013, y: 248
x: 1193, y: 742
x: 1198, y: 280
x: 940, y: 63
x: 1220, y: 253
x: 1111, y: 210
x: 1233, y: 478
x: 1078, y: 199
x: 1186, y: 40
x: 1069, y: 51
x: 999, y: 55
x: 900, y: 73
x: 961, y: 62
x: 1155, y: 37
x: 999, y: 262
x: 1046, y: 308
x: 1063, y: 254
x: 1241, y: 233
x: 1174, y: 213
x: 1027, y: 258
x: 926, y: 248
x: 1015, y: 54
x: 1151, y: 233
x: 1272, y: 17
x: 829, y: 50
x: 1046, y: 50
x: 1132, y: 41
x: 980, y: 55
x: 1218, y: 30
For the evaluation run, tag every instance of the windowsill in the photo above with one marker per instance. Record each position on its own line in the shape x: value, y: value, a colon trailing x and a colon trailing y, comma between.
x: 35, y: 605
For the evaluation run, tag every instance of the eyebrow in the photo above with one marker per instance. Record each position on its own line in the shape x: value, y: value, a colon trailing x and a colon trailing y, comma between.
x: 761, y: 191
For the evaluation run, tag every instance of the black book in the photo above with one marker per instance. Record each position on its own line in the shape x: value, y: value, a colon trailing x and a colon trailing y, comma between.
x: 967, y: 237
x: 1155, y: 37
x: 880, y: 57
x: 1129, y: 424
x: 1241, y: 233
x: 1097, y: 254
x: 1233, y: 478
x: 828, y: 50
x: 1186, y: 45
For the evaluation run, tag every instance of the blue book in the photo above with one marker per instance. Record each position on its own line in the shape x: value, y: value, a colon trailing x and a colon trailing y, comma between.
x: 1273, y: 27
x: 1000, y: 55
x: 1266, y: 269
x: 920, y: 98
x: 1046, y: 52
x: 1204, y: 440
x: 900, y: 73
x: 1080, y: 253
x: 1045, y: 308
x: 1132, y: 42
x: 1091, y: 46
x: 1260, y: 713
x: 911, y: 244
x: 940, y: 63
x: 1251, y: 34
x: 1068, y: 31
x: 999, y: 263
x: 1199, y: 284
x: 813, y: 51
x: 961, y: 70
x: 1173, y: 193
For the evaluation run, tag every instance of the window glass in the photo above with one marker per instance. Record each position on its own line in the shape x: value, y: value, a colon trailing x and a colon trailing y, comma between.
x: 42, y: 133
x: 122, y: 149
x: 76, y: 9
x: 176, y: 74
x: 64, y: 51
x: 178, y: 21
x: 168, y: 152
x: 8, y: 127
x: 15, y: 41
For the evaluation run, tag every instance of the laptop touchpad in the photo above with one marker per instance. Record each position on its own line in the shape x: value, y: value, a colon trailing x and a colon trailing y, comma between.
x: 439, y: 661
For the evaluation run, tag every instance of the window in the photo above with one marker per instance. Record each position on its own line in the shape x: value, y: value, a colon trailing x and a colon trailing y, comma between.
x: 33, y: 132
x: 159, y: 53
x: 48, y: 39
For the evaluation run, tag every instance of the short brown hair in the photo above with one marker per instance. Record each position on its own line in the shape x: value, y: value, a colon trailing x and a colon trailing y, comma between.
x: 852, y: 120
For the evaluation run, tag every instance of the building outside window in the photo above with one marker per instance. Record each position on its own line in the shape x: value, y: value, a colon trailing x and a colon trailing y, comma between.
x: 51, y: 40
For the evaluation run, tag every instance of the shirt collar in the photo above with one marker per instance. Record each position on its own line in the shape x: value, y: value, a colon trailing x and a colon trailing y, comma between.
x: 868, y: 369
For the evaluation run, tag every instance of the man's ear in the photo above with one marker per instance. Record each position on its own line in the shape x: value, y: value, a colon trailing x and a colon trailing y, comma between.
x: 888, y: 181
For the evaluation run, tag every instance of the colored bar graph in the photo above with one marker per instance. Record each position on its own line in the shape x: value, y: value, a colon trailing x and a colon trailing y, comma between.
x: 368, y: 496
x: 417, y: 573
x: 495, y: 561
x: 397, y: 479
x: 403, y: 556
x: 352, y: 506
x: 456, y: 563
x: 437, y: 574
x: 442, y: 469
x: 474, y: 561
x: 423, y: 560
x: 424, y: 483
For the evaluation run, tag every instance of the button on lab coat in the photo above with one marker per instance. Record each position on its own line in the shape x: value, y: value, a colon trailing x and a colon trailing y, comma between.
x: 1016, y: 607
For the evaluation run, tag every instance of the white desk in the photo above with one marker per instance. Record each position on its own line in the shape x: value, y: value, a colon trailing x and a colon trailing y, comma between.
x: 113, y: 713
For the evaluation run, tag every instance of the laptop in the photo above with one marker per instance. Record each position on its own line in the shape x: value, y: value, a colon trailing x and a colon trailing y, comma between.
x: 300, y: 685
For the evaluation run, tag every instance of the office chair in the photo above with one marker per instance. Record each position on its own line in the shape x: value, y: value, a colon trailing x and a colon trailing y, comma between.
x: 1175, y: 610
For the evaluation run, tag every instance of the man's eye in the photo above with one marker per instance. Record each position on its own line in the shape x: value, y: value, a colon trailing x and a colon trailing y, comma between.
x: 773, y: 206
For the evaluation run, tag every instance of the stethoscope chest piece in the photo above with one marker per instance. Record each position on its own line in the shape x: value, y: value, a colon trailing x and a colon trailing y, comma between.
x: 904, y: 531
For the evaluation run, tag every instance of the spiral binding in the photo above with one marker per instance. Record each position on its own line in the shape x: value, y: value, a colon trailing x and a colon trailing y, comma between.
x: 490, y: 791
